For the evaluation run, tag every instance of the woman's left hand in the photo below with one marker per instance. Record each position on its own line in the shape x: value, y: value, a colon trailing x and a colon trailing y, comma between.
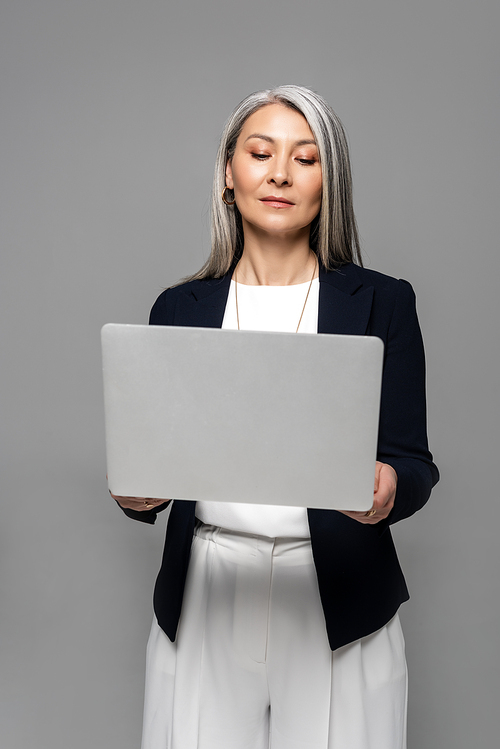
x: 386, y: 481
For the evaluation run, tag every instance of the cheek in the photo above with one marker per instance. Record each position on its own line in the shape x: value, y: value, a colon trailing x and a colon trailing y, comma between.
x: 315, y: 191
x: 246, y: 178
x: 311, y: 188
x: 318, y: 186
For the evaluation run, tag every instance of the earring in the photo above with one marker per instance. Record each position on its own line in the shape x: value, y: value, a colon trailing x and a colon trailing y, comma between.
x: 227, y: 202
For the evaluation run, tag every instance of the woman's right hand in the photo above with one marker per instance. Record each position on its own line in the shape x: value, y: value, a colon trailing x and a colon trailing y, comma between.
x: 138, y: 503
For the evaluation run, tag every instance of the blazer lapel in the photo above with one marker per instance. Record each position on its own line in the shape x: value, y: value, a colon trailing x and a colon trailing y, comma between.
x: 344, y: 305
x: 204, y: 304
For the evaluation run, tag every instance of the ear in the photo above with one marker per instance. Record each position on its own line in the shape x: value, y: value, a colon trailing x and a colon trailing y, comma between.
x: 229, y: 175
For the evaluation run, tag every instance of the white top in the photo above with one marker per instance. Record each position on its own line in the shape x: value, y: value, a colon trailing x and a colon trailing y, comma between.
x: 277, y: 309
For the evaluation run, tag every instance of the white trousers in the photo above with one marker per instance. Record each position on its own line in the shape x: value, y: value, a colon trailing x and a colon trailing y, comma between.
x: 251, y: 667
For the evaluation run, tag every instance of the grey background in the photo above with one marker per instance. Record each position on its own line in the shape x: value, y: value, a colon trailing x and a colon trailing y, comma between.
x: 110, y: 114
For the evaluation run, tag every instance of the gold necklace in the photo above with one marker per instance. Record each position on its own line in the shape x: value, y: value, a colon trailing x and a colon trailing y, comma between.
x: 303, y: 308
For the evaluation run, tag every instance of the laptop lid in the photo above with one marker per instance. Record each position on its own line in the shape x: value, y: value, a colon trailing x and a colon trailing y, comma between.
x: 241, y: 416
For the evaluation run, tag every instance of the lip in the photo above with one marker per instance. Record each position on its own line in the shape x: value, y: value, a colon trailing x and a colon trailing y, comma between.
x: 276, y: 201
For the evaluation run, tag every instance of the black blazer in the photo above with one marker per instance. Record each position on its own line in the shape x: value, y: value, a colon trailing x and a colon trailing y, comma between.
x: 360, y: 580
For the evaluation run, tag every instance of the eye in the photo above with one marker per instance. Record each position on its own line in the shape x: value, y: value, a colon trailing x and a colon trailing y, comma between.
x: 260, y: 156
x: 306, y: 162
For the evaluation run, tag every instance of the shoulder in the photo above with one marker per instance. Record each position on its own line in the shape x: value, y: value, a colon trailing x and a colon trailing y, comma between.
x: 375, y: 278
x: 394, y: 312
x: 393, y: 294
x: 369, y: 277
x: 392, y: 300
x: 382, y: 281
x: 163, y: 310
x: 354, y: 279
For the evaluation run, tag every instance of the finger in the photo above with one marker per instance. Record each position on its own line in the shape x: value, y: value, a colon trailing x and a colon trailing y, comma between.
x: 383, y: 502
x: 378, y: 467
x: 382, y: 498
x: 388, y: 474
x: 363, y: 517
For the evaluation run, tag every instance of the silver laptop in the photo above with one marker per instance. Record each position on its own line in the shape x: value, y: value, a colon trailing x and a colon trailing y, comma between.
x: 241, y: 416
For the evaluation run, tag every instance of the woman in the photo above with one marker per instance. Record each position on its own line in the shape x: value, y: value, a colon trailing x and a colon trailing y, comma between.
x: 278, y: 626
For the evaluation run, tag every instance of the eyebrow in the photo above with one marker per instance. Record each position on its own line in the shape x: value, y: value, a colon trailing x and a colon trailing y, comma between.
x: 304, y: 142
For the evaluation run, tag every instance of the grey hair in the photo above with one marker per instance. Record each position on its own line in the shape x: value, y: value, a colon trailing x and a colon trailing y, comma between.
x: 334, y: 234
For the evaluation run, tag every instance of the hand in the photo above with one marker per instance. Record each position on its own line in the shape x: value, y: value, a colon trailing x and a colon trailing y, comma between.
x: 386, y: 481
x: 138, y: 503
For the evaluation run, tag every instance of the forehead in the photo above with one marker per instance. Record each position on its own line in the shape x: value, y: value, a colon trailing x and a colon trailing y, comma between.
x: 278, y: 122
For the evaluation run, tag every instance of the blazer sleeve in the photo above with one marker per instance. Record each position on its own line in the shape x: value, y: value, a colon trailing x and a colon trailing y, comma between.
x: 403, y: 414
x: 145, y: 516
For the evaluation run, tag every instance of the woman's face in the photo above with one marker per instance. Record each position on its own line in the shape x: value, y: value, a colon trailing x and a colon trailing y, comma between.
x: 275, y: 172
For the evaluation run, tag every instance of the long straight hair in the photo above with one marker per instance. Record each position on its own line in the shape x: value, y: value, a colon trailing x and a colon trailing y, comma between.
x: 334, y: 235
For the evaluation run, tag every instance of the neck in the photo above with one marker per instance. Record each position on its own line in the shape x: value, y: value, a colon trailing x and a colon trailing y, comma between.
x: 276, y: 262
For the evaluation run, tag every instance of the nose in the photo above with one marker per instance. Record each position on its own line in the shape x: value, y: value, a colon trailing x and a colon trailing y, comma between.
x: 279, y: 174
x: 278, y: 181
